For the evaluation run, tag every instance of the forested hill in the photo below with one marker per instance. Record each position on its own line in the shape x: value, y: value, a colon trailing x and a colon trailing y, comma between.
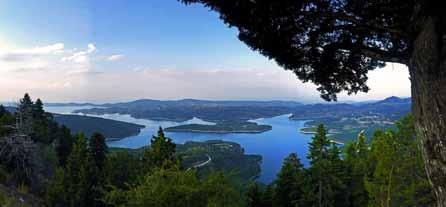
x: 89, y: 125
x: 244, y: 110
x: 186, y: 109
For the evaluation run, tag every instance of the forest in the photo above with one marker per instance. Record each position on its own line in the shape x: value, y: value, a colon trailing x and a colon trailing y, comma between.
x: 43, y: 164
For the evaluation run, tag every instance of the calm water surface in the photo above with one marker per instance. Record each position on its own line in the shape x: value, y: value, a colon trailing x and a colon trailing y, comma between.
x: 273, y: 145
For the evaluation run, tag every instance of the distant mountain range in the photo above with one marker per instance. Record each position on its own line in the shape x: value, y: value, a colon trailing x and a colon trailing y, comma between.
x: 217, y: 111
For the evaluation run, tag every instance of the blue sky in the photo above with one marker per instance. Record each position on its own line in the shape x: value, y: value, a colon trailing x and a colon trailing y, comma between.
x: 79, y: 50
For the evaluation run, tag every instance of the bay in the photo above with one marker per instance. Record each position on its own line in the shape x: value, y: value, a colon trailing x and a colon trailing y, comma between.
x: 273, y: 145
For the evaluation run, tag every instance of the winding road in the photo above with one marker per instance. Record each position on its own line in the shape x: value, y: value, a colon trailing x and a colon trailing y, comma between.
x: 203, y: 163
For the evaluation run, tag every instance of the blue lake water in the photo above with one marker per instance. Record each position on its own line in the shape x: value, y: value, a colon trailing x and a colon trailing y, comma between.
x: 273, y: 145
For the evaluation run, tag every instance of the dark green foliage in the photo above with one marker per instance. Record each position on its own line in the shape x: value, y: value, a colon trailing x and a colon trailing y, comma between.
x: 254, y: 195
x: 25, y: 115
x: 7, y: 121
x: 2, y: 110
x: 331, y: 43
x: 98, y: 150
x: 326, y: 176
x: 38, y: 111
x: 290, y: 183
x: 64, y: 145
x: 122, y: 169
x: 355, y: 156
x: 219, y: 191
x: 222, y: 127
x: 160, y: 152
x: 76, y: 177
x: 175, y: 187
x: 82, y: 181
x: 398, y: 177
x: 225, y: 156
x: 268, y: 196
x: 56, y: 194
x: 167, y: 187
x: 33, y: 121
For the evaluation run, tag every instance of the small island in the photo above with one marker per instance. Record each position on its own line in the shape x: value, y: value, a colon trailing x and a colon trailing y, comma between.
x: 88, y: 125
x: 221, y: 127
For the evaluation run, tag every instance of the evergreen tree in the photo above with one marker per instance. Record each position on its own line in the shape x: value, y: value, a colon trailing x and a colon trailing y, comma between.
x: 160, y: 152
x: 38, y: 111
x: 220, y: 191
x: 98, y: 150
x: 356, y: 155
x: 398, y: 177
x: 25, y: 115
x: 43, y: 129
x: 56, y: 194
x: 122, y: 169
x: 268, y: 196
x: 290, y: 183
x: 170, y: 187
x: 77, y: 180
x: 64, y: 145
x: 338, y: 177
x: 254, y: 196
x: 324, y: 170
x: 6, y: 121
x: 2, y: 110
x: 97, y: 154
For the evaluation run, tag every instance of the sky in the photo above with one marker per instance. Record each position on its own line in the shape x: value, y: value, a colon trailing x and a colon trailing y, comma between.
x: 112, y: 50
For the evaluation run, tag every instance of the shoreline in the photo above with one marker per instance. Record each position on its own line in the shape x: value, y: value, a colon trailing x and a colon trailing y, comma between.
x: 216, y: 132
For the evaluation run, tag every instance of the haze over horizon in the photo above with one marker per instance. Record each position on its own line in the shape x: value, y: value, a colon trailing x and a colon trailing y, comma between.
x: 85, y: 51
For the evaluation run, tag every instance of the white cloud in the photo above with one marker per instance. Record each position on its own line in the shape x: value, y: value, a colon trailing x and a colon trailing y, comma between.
x: 42, y: 50
x: 56, y: 73
x: 82, y: 56
x: 115, y: 57
x: 26, y: 54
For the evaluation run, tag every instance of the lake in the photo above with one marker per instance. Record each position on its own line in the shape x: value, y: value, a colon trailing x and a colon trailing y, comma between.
x: 273, y: 145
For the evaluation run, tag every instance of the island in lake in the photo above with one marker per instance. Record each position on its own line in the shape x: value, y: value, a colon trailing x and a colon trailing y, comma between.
x: 221, y: 127
x: 111, y: 129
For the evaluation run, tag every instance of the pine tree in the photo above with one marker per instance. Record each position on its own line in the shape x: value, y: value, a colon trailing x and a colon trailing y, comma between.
x: 290, y: 183
x: 122, y: 169
x: 160, y: 152
x: 338, y: 177
x: 6, y: 121
x: 325, y: 170
x: 167, y: 187
x: 397, y: 177
x: 2, y: 110
x: 254, y: 195
x: 64, y: 145
x: 268, y: 196
x: 77, y: 180
x: 25, y: 115
x: 356, y: 154
x: 219, y: 191
x: 97, y: 154
x: 38, y: 111
x: 98, y: 150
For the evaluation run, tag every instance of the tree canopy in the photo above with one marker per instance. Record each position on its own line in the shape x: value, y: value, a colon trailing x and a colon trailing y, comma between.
x: 333, y: 43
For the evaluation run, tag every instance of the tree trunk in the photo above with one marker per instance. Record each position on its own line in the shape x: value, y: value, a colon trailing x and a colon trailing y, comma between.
x: 428, y: 76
